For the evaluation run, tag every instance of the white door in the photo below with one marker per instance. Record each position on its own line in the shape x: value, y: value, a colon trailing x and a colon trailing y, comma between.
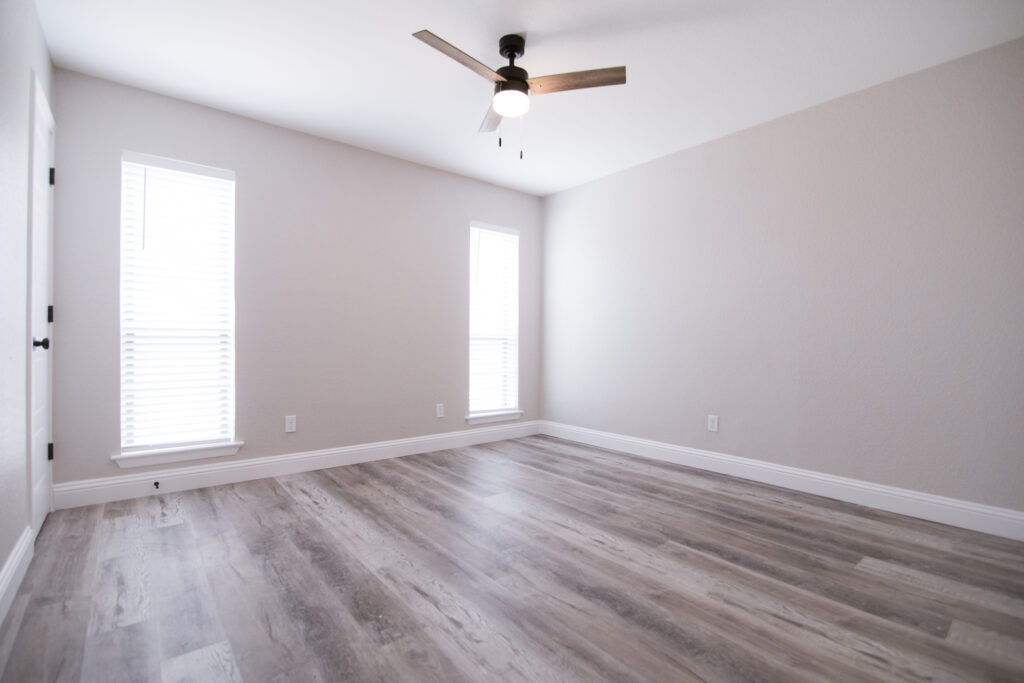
x: 39, y: 300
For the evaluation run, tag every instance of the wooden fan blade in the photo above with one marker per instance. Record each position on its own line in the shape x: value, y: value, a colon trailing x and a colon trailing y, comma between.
x: 614, y: 75
x: 442, y: 45
x: 491, y: 121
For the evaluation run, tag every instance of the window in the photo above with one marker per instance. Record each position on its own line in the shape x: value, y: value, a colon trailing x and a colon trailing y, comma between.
x: 177, y: 311
x: 493, y: 324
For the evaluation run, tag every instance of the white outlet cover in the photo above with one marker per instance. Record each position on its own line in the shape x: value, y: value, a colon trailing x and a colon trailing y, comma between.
x: 289, y: 423
x: 712, y: 423
x: 439, y: 410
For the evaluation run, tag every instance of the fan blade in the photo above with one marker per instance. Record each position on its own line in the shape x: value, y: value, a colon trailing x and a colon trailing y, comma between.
x: 442, y: 45
x: 491, y: 121
x: 615, y: 75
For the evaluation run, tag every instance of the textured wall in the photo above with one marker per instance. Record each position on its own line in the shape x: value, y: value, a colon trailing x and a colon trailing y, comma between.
x: 844, y: 287
x: 351, y: 278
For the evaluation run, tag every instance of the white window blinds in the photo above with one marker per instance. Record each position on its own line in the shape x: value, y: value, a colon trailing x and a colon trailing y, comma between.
x: 493, y: 320
x: 177, y: 303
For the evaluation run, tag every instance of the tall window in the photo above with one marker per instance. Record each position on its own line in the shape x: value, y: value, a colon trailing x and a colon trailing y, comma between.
x: 493, y: 322
x: 177, y: 305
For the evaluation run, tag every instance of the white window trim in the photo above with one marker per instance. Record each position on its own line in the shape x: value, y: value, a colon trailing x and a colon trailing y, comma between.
x: 495, y: 228
x: 162, y: 456
x: 506, y: 414
x: 177, y: 165
x: 494, y: 416
x: 172, y: 453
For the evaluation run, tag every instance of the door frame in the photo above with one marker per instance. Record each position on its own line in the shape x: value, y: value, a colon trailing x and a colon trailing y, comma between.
x: 40, y: 489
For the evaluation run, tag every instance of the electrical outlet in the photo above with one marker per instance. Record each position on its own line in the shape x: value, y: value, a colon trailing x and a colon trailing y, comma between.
x: 712, y: 423
x: 289, y: 423
x: 439, y: 409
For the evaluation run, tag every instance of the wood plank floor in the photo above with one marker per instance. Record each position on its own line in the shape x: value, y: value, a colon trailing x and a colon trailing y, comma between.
x: 527, y: 560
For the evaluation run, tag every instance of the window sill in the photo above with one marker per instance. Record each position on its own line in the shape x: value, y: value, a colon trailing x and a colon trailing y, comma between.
x: 495, y: 416
x: 162, y: 456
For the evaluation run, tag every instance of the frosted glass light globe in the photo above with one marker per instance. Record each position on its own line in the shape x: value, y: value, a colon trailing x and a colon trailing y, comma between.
x: 511, y: 103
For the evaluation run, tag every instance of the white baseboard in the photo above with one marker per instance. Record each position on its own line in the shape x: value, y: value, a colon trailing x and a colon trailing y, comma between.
x: 975, y: 516
x: 14, y: 570
x: 104, y: 490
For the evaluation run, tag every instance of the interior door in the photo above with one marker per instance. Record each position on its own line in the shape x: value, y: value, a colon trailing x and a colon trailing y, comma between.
x: 39, y: 300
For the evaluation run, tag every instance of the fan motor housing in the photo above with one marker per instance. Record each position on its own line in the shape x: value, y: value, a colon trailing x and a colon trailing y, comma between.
x: 511, y: 46
x: 515, y: 79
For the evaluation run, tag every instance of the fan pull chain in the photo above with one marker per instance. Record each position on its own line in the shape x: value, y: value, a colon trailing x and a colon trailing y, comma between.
x: 499, y: 132
x: 520, y: 137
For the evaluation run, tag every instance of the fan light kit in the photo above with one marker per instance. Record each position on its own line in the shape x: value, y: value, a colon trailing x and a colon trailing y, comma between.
x: 511, y: 103
x: 513, y: 85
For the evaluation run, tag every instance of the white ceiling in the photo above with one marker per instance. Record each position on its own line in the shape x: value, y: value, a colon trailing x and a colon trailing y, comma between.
x: 349, y: 70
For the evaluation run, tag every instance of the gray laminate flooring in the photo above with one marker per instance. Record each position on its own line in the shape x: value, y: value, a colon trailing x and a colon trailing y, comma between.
x: 527, y: 560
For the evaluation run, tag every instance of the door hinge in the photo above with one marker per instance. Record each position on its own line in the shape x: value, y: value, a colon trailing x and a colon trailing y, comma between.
x: 49, y: 314
x: 53, y: 174
x: 49, y: 451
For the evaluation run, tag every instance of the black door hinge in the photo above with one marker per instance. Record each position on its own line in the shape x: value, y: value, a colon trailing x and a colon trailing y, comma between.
x: 53, y: 174
x: 49, y: 314
x: 49, y: 451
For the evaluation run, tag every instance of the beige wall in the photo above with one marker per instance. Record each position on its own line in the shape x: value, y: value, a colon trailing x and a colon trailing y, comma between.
x: 844, y: 287
x: 22, y: 54
x: 841, y: 286
x: 351, y: 278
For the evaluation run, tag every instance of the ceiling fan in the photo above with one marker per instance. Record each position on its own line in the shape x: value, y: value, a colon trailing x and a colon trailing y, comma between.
x: 512, y: 85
